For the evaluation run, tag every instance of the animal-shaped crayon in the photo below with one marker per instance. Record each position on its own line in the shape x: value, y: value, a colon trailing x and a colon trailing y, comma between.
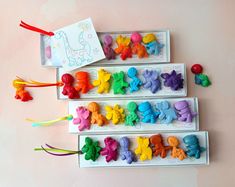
x: 83, y: 82
x: 176, y: 151
x: 107, y: 47
x: 184, y: 112
x: 116, y: 114
x: 103, y: 81
x: 119, y: 83
x: 125, y: 152
x: 68, y: 89
x: 136, y: 82
x: 203, y: 80
x: 132, y: 117
x: 21, y: 93
x: 147, y: 112
x: 152, y: 81
x: 159, y: 147
x: 123, y: 48
x: 193, y: 147
x: 167, y: 114
x: 137, y: 47
x: 200, y: 78
x: 153, y: 46
x: 173, y: 80
x: 91, y: 149
x: 110, y: 150
x: 83, y: 118
x: 143, y: 149
x: 96, y: 117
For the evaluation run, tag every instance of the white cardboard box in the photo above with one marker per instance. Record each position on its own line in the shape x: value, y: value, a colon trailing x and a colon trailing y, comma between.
x: 163, y: 36
x: 156, y: 161
x: 142, y: 93
x: 140, y: 126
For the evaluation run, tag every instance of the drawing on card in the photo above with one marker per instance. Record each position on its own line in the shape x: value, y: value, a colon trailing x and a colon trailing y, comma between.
x: 75, y: 57
x: 76, y: 45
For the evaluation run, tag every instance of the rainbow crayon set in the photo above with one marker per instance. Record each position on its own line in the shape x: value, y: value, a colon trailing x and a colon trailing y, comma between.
x: 149, y: 79
x: 148, y: 156
x: 127, y: 102
x: 134, y: 120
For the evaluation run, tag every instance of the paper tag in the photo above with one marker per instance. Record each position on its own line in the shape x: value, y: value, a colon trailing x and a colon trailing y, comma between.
x: 76, y: 45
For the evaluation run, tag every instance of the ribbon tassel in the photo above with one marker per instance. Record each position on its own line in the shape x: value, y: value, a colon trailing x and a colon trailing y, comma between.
x: 35, y: 29
x: 50, y: 122
x: 33, y: 83
x: 57, y: 151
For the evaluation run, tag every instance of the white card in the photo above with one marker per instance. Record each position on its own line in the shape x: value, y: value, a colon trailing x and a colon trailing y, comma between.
x: 74, y: 46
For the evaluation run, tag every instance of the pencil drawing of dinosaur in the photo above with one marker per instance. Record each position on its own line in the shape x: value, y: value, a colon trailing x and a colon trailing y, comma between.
x: 79, y: 56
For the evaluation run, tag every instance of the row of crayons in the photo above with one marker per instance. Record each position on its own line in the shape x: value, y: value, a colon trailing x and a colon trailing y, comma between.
x: 147, y: 148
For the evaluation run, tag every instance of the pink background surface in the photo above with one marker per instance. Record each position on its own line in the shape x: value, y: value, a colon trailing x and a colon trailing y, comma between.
x: 202, y: 32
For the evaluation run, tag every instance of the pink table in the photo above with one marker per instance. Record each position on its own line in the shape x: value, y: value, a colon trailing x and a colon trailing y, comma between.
x: 202, y: 32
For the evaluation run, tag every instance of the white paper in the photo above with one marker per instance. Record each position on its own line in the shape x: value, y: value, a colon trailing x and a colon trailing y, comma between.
x: 74, y: 46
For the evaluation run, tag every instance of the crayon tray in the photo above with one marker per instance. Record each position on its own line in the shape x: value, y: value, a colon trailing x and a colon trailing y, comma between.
x: 142, y: 93
x: 155, y: 161
x: 175, y: 125
x: 163, y: 37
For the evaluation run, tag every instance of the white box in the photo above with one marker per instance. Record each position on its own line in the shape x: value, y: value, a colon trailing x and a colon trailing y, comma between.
x: 156, y: 161
x: 163, y: 37
x: 140, y: 126
x: 142, y: 93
